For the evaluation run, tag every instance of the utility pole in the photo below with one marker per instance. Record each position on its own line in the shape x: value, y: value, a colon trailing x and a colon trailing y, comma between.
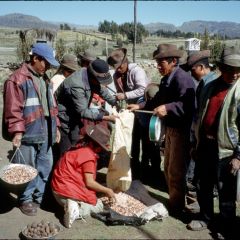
x: 135, y: 30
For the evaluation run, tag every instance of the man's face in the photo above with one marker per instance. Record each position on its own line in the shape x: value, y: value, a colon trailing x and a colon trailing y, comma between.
x: 196, y: 72
x: 122, y: 68
x: 40, y: 65
x: 230, y: 74
x: 164, y: 66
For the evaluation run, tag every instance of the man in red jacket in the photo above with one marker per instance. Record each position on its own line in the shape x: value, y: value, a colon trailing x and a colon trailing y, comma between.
x: 73, y: 182
x: 30, y: 121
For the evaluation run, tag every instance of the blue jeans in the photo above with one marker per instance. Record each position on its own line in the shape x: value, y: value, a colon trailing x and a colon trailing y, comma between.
x: 40, y: 157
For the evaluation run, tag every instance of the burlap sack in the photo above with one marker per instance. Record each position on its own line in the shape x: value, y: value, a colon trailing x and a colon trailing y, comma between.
x: 119, y: 175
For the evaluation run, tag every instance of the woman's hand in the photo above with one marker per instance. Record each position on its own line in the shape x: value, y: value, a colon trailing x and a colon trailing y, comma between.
x: 111, y: 195
x: 58, y: 136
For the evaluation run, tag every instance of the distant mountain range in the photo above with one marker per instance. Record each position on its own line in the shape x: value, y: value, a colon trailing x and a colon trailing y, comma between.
x: 18, y: 20
x: 230, y: 29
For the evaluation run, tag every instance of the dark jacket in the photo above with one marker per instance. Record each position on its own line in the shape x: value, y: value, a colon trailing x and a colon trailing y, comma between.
x: 23, y: 111
x: 74, y: 97
x: 177, y: 92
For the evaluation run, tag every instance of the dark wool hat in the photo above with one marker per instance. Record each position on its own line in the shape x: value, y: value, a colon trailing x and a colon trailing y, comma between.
x: 117, y: 57
x: 70, y: 61
x: 99, y: 135
x: 230, y: 56
x: 100, y: 70
x: 167, y: 50
x: 196, y: 57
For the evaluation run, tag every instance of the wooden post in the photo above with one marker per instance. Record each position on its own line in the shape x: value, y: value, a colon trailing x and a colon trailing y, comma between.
x: 135, y: 30
x: 106, y: 47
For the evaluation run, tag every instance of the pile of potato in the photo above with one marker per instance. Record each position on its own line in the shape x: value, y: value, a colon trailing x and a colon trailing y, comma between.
x: 125, y: 205
x: 19, y: 174
x: 42, y: 229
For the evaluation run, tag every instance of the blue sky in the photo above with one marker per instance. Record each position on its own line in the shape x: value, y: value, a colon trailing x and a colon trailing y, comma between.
x: 93, y: 12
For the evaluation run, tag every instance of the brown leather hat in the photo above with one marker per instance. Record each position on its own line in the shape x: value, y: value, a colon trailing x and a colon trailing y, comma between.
x: 70, y: 61
x: 195, y: 57
x: 88, y: 55
x: 117, y: 57
x: 167, y: 50
x: 183, y: 59
x: 230, y: 56
x: 99, y: 135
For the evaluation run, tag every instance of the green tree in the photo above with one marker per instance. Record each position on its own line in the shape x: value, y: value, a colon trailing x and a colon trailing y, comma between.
x: 127, y: 29
x: 216, y: 49
x: 119, y: 42
x: 66, y: 27
x: 80, y: 45
x: 60, y: 48
x: 95, y: 43
x: 24, y: 45
x: 104, y: 26
x: 205, y: 40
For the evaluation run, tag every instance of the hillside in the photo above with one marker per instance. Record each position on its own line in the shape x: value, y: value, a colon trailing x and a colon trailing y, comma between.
x: 17, y: 20
x: 229, y: 29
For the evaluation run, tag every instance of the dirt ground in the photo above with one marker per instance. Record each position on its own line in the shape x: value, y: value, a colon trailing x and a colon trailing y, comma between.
x: 12, y: 221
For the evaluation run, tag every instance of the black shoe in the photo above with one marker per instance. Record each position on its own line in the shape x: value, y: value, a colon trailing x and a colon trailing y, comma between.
x: 28, y: 208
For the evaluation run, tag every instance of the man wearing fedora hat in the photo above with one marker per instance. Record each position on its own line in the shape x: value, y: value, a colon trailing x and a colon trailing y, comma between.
x: 174, y: 104
x: 198, y: 64
x: 31, y: 122
x: 130, y: 82
x: 218, y: 149
x: 68, y: 65
x: 74, y: 178
x: 86, y: 58
x: 75, y: 97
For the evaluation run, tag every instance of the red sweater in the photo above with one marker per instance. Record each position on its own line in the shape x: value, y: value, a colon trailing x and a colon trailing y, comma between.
x: 210, y: 121
x: 68, y: 175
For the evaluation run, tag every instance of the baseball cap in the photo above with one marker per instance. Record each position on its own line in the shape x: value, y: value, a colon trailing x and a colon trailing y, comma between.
x: 45, y: 51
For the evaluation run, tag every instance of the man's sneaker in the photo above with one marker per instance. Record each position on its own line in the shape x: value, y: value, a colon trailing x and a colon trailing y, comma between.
x: 71, y: 213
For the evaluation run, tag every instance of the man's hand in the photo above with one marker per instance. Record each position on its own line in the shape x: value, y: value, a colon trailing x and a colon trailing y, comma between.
x: 17, y: 140
x: 235, y: 165
x: 110, y: 118
x: 133, y: 107
x: 160, y: 111
x: 120, y: 96
x: 58, y: 136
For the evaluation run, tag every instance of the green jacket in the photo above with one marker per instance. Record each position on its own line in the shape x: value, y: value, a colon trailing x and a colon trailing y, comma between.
x: 229, y: 119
